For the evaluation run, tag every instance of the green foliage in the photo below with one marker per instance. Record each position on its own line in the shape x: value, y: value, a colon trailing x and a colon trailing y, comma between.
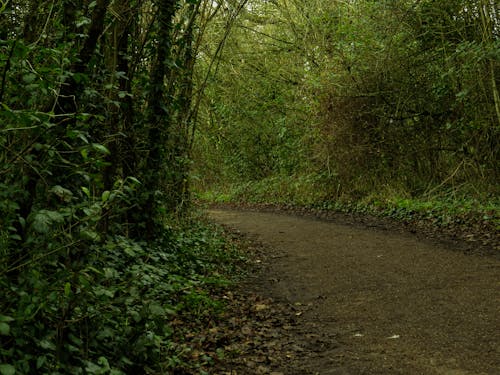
x: 96, y: 117
x: 375, y: 99
x: 253, y: 120
x: 112, y: 314
x: 296, y: 190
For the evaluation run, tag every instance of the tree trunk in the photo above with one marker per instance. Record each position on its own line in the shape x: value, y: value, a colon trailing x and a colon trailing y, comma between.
x: 158, y: 118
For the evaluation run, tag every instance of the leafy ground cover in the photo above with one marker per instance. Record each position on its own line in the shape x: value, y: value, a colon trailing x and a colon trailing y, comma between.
x: 132, y: 307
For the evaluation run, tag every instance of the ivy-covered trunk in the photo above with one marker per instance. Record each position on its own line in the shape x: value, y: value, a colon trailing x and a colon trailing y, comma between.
x: 86, y: 145
x: 159, y: 121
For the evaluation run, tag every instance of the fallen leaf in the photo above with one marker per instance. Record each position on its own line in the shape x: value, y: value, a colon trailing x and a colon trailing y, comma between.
x: 393, y: 337
x: 261, y: 370
x: 260, y: 307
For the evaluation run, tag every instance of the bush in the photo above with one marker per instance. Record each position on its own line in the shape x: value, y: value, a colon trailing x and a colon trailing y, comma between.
x: 114, y: 314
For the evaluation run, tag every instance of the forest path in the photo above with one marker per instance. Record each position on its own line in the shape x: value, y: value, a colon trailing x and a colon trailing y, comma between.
x: 373, y: 301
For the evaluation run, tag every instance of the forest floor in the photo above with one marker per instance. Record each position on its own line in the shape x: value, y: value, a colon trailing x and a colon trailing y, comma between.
x: 346, y: 297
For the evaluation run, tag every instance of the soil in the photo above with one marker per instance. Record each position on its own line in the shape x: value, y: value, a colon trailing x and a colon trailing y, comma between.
x: 347, y: 298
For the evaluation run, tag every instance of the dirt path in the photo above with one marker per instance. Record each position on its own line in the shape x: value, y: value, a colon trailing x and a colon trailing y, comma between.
x: 370, y: 301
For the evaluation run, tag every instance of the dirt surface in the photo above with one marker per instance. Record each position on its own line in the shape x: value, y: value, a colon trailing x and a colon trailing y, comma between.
x: 330, y: 298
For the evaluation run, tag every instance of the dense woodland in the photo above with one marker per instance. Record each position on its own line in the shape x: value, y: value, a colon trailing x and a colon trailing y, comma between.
x: 113, y: 112
x: 355, y: 100
x: 97, y: 112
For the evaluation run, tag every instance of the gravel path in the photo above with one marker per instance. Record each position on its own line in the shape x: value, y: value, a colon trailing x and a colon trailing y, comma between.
x: 374, y: 301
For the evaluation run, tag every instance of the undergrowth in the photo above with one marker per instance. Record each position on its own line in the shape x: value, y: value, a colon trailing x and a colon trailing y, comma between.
x: 129, y: 309
x: 442, y: 208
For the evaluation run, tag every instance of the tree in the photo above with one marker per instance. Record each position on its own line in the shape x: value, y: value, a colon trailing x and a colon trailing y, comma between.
x: 95, y: 100
x: 398, y: 96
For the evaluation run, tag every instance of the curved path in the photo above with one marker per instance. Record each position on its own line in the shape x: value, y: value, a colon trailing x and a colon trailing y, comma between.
x: 377, y: 301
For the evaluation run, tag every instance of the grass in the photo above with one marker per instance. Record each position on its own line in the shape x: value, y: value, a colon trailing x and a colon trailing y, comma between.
x: 441, y: 209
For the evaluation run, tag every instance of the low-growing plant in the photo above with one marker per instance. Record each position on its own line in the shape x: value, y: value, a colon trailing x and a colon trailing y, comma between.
x: 114, y: 313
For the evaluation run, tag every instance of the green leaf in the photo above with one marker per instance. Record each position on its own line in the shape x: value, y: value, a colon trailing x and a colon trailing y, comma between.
x: 101, y: 148
x: 85, y: 153
x: 83, y: 21
x: 46, y: 344
x: 43, y: 220
x: 92, y: 368
x: 5, y: 318
x: 93, y: 212
x: 64, y: 194
x: 7, y: 369
x: 103, y: 361
x: 29, y: 78
x: 90, y: 235
x: 134, y: 180
x: 86, y: 191
x: 40, y: 361
x: 53, y: 216
x: 105, y: 196
x: 41, y: 223
x: 4, y: 329
x: 110, y: 273
x: 67, y: 289
x: 156, y: 310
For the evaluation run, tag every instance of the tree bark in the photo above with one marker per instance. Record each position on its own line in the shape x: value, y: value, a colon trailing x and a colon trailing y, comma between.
x: 67, y: 100
x: 159, y: 117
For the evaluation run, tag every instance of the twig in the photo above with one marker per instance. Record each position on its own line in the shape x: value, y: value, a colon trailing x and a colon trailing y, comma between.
x: 445, y: 180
